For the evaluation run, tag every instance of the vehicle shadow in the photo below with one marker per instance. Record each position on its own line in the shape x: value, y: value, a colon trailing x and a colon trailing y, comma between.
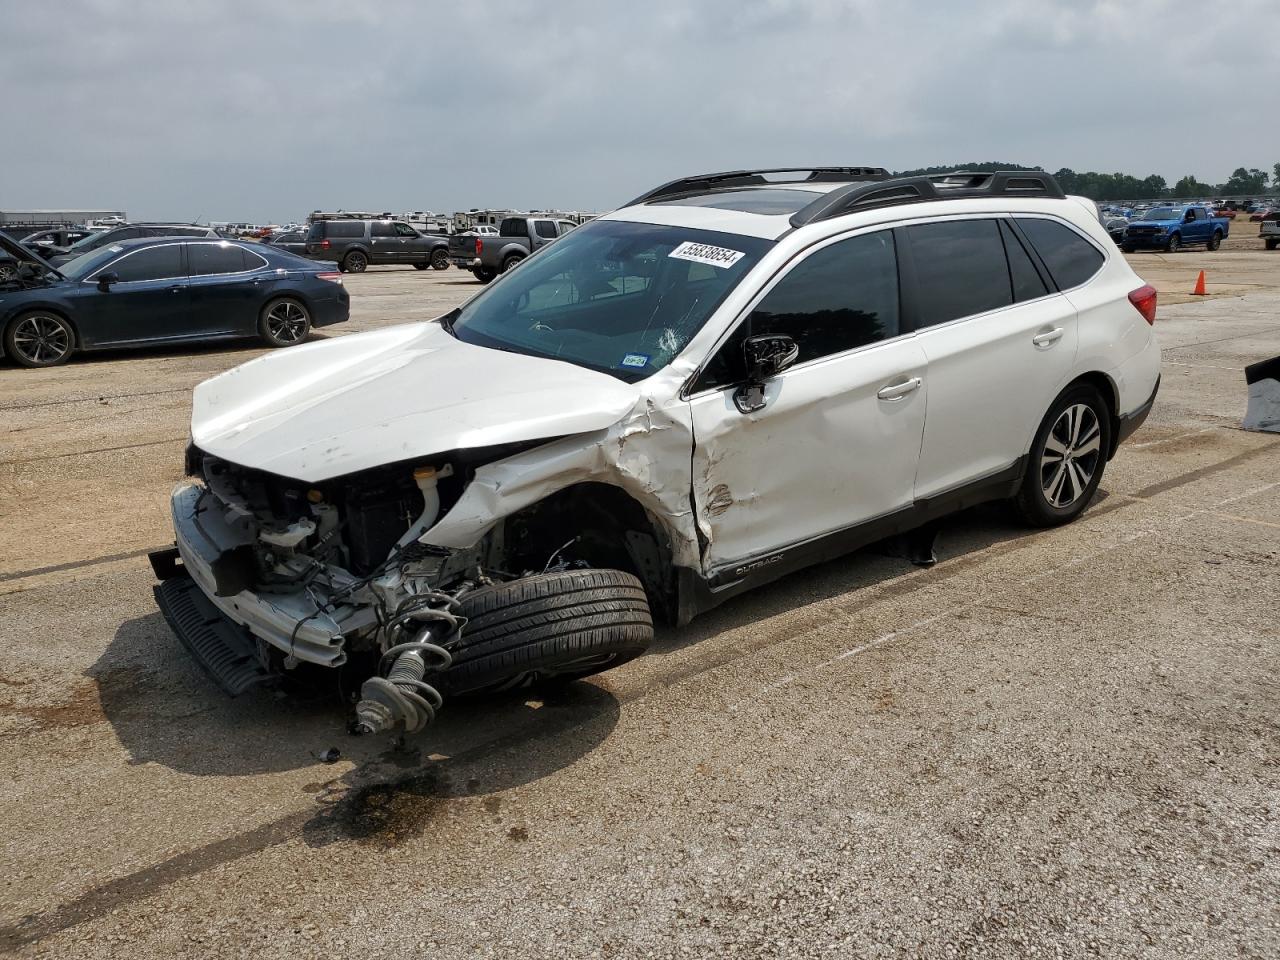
x: 881, y: 566
x: 170, y: 713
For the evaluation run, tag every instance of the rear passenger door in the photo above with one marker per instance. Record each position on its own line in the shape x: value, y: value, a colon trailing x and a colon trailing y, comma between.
x: 226, y: 291
x: 385, y: 243
x: 1000, y: 343
x: 544, y: 231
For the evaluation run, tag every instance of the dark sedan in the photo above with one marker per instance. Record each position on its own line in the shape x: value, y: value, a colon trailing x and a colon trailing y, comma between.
x: 172, y: 290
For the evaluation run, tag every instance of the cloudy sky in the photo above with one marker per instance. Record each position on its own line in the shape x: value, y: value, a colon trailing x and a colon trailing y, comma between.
x: 267, y: 109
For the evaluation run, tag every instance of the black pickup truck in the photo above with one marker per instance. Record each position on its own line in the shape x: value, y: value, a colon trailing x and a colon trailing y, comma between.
x: 355, y: 244
x: 488, y: 256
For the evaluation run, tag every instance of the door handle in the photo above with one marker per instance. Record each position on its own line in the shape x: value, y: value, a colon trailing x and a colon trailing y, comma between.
x: 896, y: 391
x: 175, y: 289
x: 1048, y: 337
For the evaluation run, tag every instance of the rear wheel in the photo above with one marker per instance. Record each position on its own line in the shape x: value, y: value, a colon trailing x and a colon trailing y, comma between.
x: 355, y: 262
x: 284, y: 322
x: 440, y: 260
x: 1067, y: 458
x: 511, y: 263
x: 484, y: 274
x: 548, y: 628
x: 39, y: 339
x: 1271, y: 244
x: 1215, y: 241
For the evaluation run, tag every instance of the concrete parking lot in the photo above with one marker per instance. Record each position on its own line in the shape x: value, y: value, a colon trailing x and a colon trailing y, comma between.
x: 1056, y: 743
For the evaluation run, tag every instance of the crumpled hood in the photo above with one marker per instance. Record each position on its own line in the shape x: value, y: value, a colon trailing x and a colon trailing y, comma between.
x: 335, y: 407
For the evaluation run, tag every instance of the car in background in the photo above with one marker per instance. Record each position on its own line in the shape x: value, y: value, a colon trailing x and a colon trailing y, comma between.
x: 59, y: 238
x: 357, y: 244
x: 295, y: 241
x: 1115, y: 226
x: 517, y: 238
x: 1169, y: 228
x: 1269, y: 229
x: 130, y: 231
x: 162, y: 290
x: 1261, y: 212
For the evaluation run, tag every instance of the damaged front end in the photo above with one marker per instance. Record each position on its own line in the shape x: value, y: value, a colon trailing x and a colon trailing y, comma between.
x: 319, y: 574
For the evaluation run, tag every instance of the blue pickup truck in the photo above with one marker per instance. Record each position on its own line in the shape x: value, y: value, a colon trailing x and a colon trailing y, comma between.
x: 1170, y: 228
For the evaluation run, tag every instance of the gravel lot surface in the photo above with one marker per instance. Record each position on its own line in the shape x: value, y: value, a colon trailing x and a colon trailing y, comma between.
x: 1053, y: 744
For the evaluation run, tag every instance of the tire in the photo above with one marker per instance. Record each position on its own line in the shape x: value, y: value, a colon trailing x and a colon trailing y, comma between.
x: 547, y: 629
x: 39, y: 338
x: 1215, y: 241
x: 284, y: 322
x: 1050, y: 497
x: 439, y: 259
x: 1271, y: 244
x: 1127, y: 247
x: 355, y: 262
x: 8, y: 271
x: 511, y: 263
x: 1174, y: 244
x: 484, y: 274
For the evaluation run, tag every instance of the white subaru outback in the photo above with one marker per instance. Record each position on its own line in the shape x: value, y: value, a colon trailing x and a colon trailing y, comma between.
x: 732, y: 377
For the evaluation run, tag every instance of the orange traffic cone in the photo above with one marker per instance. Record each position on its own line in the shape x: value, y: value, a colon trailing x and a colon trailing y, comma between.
x: 1199, y: 290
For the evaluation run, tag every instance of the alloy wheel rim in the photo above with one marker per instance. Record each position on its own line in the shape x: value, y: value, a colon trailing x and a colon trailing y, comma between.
x: 287, y: 322
x: 41, y: 339
x: 1070, y: 456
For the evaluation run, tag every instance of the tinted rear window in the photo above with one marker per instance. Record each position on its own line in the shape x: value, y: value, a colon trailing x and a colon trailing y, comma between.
x: 1027, y: 284
x: 347, y: 230
x: 960, y: 269
x: 545, y: 229
x: 207, y: 258
x: 1071, y: 258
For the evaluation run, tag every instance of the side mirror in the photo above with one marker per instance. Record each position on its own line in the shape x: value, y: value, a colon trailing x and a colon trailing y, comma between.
x: 766, y: 356
x: 105, y: 280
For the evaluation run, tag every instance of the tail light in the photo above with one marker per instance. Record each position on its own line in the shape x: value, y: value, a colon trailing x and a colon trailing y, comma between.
x: 324, y: 244
x: 479, y: 246
x: 1144, y: 301
x: 331, y: 277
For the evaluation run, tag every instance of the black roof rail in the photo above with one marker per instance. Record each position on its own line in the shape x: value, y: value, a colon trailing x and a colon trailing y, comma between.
x: 941, y: 186
x: 708, y: 182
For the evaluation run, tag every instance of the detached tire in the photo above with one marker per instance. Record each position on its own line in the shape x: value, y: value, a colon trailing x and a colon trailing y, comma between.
x: 547, y: 629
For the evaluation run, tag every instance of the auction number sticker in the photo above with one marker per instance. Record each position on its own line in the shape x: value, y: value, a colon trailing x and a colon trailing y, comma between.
x: 721, y: 257
x: 635, y: 360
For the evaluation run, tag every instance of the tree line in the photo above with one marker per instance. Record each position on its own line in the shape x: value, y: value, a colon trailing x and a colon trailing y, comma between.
x: 1123, y: 186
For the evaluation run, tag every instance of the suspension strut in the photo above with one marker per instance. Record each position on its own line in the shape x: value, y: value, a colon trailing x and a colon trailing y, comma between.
x: 398, y: 694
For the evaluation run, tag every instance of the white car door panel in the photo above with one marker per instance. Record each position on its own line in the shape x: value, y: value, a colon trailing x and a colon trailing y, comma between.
x: 991, y: 380
x: 836, y: 441
x: 999, y: 343
x: 826, y: 452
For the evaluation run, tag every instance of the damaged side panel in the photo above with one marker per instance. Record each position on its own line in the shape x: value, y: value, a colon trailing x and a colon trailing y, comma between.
x: 825, y: 452
x: 646, y: 454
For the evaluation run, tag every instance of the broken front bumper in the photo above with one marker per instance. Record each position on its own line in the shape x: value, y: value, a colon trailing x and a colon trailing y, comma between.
x: 298, y: 623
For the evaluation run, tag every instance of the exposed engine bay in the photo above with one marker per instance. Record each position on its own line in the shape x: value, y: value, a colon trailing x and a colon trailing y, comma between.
x: 334, y: 574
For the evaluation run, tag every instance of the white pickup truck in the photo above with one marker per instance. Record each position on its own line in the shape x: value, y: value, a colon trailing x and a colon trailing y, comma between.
x: 1269, y: 229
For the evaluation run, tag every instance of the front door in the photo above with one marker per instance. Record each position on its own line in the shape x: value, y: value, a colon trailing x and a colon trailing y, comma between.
x: 149, y: 300
x: 837, y: 440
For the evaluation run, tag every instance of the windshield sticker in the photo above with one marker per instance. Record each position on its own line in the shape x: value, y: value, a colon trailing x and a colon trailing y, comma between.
x: 635, y: 360
x: 705, y: 253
